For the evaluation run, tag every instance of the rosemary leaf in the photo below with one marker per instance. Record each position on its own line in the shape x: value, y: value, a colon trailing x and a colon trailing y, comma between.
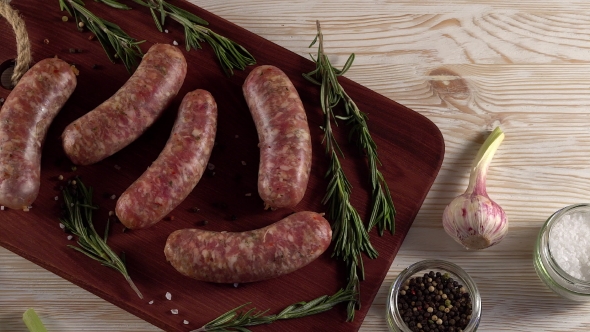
x: 114, y: 4
x: 236, y: 320
x: 116, y: 42
x: 78, y: 221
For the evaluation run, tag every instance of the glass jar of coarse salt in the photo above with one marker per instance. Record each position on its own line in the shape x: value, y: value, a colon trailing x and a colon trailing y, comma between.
x: 562, y: 252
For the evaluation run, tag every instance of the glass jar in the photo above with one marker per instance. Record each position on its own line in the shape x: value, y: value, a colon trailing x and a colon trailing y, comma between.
x: 394, y: 318
x: 546, y: 266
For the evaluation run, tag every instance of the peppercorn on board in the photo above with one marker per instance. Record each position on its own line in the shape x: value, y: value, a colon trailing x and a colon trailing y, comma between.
x: 411, y: 149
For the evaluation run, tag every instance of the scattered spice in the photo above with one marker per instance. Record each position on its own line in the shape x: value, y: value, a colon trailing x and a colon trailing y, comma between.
x: 74, y: 168
x: 56, y: 198
x: 151, y: 302
x: 60, y: 177
x: 174, y: 311
x: 204, y: 223
x: 195, y: 209
x: 113, y: 196
x: 210, y: 166
x: 185, y: 322
x: 117, y: 167
x: 111, y: 213
x: 236, y: 284
x: 171, y: 218
x: 248, y: 194
x: 166, y: 30
x: 64, y: 18
x: 220, y: 205
x: 91, y: 37
x: 80, y: 24
x: 70, y: 238
x: 76, y: 72
x: 434, y: 302
x: 175, y: 43
x: 243, y: 163
x: 46, y: 41
x: 168, y: 296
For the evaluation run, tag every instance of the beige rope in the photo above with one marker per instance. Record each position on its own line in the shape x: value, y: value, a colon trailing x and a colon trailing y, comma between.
x: 23, y: 45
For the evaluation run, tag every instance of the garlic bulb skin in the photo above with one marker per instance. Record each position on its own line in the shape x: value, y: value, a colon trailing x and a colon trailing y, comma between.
x: 475, y: 221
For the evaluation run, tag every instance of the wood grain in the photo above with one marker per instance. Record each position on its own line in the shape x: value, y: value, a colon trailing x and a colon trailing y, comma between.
x: 521, y: 64
x: 412, y: 144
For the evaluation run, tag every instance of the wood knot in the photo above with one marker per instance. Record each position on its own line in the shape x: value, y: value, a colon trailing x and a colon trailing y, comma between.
x: 448, y: 83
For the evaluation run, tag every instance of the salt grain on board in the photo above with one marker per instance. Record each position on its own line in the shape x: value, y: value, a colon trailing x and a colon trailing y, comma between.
x: 185, y: 322
x: 168, y: 296
x: 151, y: 302
x: 174, y: 311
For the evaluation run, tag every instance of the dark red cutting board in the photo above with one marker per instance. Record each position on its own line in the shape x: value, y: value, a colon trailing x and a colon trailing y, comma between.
x: 411, y: 148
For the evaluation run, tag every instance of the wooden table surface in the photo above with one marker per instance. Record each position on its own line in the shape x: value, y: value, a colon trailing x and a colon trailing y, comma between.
x: 468, y: 66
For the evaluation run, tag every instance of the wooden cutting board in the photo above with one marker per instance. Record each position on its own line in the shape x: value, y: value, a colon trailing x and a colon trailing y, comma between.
x: 411, y: 148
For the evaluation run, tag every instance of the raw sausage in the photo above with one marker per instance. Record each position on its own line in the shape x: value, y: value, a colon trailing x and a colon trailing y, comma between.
x: 178, y: 168
x: 24, y: 119
x: 122, y: 118
x: 266, y: 253
x: 283, y: 134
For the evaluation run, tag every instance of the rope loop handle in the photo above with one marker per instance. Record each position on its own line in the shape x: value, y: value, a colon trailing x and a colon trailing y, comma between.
x: 23, y: 44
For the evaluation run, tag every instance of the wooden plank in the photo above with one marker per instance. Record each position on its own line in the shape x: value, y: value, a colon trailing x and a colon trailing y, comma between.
x: 412, y: 151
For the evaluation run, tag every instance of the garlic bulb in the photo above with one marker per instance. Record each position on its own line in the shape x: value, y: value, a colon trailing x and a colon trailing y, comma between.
x: 473, y: 219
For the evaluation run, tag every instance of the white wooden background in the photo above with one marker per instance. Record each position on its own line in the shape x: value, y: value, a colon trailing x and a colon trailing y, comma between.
x: 466, y: 65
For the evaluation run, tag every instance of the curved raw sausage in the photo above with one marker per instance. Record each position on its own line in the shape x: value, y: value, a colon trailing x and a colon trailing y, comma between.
x: 121, y: 119
x: 178, y: 168
x: 24, y: 119
x: 283, y: 134
x: 261, y: 254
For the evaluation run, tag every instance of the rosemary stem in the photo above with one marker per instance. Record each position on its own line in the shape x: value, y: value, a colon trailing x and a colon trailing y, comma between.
x: 133, y: 286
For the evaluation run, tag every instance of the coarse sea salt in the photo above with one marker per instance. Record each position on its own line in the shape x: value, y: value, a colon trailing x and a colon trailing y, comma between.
x: 568, y: 243
x: 168, y: 296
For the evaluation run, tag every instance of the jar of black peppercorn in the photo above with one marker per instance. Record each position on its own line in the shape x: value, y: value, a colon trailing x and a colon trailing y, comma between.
x: 433, y: 296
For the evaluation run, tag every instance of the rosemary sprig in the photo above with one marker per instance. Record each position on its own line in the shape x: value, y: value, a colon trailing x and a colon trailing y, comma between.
x: 229, y: 53
x: 116, y: 42
x: 78, y: 221
x: 383, y: 210
x: 236, y: 320
x: 349, y: 233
